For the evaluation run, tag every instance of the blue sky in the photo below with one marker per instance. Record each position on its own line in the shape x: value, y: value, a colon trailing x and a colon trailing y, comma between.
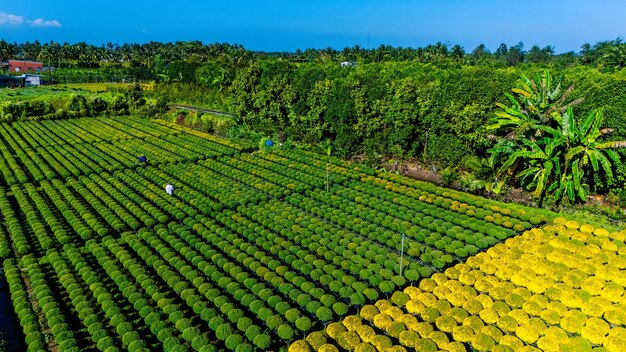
x: 288, y: 25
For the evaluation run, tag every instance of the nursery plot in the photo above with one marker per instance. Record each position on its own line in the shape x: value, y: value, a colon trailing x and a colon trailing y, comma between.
x: 556, y: 288
x: 252, y: 251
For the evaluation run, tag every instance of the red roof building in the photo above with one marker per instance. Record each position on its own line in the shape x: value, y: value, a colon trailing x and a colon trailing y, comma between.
x: 22, y: 66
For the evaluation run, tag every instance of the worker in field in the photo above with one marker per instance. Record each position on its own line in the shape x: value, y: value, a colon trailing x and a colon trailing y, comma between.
x: 169, y: 189
x: 143, y: 159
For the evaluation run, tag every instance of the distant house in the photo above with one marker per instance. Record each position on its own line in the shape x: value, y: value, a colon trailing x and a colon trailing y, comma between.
x: 32, y: 80
x: 22, y: 66
x: 348, y: 64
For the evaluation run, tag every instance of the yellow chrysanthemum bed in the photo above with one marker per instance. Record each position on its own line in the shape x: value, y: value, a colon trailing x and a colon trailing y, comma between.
x: 555, y: 288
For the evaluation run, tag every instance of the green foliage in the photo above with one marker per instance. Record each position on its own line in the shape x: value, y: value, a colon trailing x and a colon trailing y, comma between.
x: 547, y: 149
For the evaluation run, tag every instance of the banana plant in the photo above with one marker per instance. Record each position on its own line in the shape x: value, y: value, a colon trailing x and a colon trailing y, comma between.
x: 586, y: 149
x: 537, y: 103
x: 561, y: 161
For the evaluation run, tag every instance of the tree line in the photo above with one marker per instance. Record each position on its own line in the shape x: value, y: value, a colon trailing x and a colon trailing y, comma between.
x: 608, y: 54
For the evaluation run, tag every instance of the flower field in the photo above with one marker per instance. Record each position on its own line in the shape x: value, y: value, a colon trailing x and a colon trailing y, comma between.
x: 555, y: 288
x: 256, y: 250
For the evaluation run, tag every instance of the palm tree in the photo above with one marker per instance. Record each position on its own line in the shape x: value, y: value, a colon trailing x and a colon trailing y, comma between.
x: 615, y: 56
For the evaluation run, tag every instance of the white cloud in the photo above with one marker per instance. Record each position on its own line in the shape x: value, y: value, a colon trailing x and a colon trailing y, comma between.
x: 40, y: 22
x: 10, y: 20
x: 7, y: 19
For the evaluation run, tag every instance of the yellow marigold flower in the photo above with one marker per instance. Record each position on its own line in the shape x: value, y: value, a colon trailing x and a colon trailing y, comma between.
x: 492, y: 331
x: 527, y: 333
x: 501, y: 348
x: 488, y: 267
x: 557, y: 333
x: 424, y: 329
x: 474, y: 322
x: 557, y: 307
x: 316, y: 339
x: 415, y: 306
x: 501, y: 307
x: 593, y: 309
x: 462, y: 268
x: 408, y: 338
x: 445, y: 323
x: 616, y: 315
x: 408, y: 320
x: 511, y: 341
x: 507, y: 323
x: 549, y: 344
x: 467, y: 279
x: 382, y: 343
x: 618, y: 236
x: 586, y: 228
x: 454, y: 346
x: 514, y: 300
x: 616, y: 340
x: 395, y: 328
x: 576, y: 343
x: 519, y: 315
x: 571, y: 224
x: 368, y: 312
x: 443, y: 306
x: 573, y: 321
x: 473, y: 306
x: 428, y: 299
x: 430, y: 314
x: 483, y: 285
x: 457, y: 298
x: 593, y: 285
x: 489, y: 315
x: 459, y: 314
x: 299, y: 346
x: 328, y: 348
x: 426, y: 345
x: 439, y: 278
x: 469, y: 292
x: 523, y: 292
x: 335, y: 329
x: 413, y: 291
x: 595, y: 330
x: 538, y: 285
x: 366, y: 333
x: 482, y: 342
x: 394, y: 312
x: 397, y: 348
x: 383, y: 304
x: 601, y: 232
x: 578, y: 236
x: 531, y: 307
x: 538, y: 324
x: 427, y: 285
x: 352, y: 322
x: 609, y: 246
x: 484, y: 300
x: 439, y: 337
x: 441, y: 292
x: 365, y: 347
x: 550, y: 316
x: 349, y: 340
x: 572, y: 300
x: 540, y: 300
x: 560, y: 220
x: 463, y: 334
x: 452, y: 273
x: 382, y: 321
